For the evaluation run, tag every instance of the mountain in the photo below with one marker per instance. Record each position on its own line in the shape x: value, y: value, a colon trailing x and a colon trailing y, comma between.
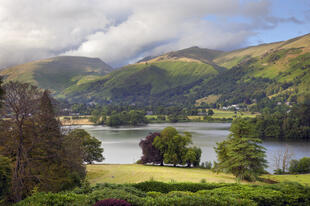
x: 57, y: 73
x: 152, y: 80
x: 231, y: 59
x: 279, y: 71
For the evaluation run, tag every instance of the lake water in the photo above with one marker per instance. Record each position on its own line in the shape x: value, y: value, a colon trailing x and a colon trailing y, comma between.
x: 121, y: 145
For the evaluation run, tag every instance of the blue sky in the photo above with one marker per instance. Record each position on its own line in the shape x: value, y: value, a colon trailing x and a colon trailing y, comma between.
x: 299, y: 9
x: 294, y: 20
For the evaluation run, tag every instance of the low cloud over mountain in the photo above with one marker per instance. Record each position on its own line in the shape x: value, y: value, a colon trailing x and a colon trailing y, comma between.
x: 121, y: 31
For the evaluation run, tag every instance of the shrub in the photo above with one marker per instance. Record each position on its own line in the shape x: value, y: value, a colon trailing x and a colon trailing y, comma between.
x: 182, y: 198
x: 153, y: 194
x: 301, y: 166
x: 112, y: 202
x: 125, y: 187
x: 188, y: 194
x: 115, y: 194
x: 293, y: 193
x: 168, y: 187
x: 260, y: 195
x: 55, y: 199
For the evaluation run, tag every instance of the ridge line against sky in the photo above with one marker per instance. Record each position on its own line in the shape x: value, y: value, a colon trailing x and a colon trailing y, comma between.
x: 123, y: 31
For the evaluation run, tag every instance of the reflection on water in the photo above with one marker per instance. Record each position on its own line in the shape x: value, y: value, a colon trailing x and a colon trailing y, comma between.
x: 121, y: 145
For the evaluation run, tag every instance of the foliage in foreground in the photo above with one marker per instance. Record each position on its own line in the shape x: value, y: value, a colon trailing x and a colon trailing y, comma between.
x: 159, y: 193
x: 112, y: 202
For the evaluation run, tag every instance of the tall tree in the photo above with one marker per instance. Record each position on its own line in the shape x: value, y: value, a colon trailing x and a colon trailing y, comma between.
x: 48, y: 156
x: 242, y: 154
x: 20, y: 105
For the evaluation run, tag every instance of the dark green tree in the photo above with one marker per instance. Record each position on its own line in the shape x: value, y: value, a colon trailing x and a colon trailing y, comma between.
x: 133, y: 117
x: 241, y: 154
x: 47, y: 153
x: 51, y: 164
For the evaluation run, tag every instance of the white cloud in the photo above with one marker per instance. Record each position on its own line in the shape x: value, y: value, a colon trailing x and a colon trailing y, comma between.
x: 120, y: 31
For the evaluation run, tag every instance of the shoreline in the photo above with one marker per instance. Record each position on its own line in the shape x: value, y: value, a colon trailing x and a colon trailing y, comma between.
x: 80, y: 122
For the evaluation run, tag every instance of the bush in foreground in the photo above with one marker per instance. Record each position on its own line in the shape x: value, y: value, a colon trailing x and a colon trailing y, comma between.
x: 112, y: 202
x: 195, y: 194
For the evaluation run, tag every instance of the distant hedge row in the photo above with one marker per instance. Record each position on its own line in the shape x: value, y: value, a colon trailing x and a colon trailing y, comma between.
x: 159, y: 193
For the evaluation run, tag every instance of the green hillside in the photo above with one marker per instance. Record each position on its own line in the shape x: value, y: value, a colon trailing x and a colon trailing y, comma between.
x: 144, y: 82
x: 57, y: 73
x: 279, y: 71
x: 204, y: 55
x: 233, y: 58
x: 265, y: 71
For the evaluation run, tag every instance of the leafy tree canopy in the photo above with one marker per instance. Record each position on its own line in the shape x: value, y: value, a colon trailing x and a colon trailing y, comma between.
x: 91, y: 146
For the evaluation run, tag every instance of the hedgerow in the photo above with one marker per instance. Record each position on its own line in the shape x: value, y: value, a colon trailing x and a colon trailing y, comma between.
x: 158, y: 193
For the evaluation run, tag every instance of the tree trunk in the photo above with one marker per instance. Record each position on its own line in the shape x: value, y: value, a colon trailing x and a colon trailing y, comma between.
x: 19, y: 170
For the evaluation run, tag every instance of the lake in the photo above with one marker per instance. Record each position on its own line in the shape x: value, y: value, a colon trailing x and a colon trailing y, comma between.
x: 121, y: 145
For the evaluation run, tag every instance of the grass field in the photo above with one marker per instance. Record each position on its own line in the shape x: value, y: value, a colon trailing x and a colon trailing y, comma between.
x: 231, y: 114
x: 75, y: 120
x: 132, y: 173
x: 302, y: 179
x: 218, y: 114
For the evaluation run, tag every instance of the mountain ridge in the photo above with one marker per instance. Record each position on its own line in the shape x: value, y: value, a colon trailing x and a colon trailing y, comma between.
x: 56, y: 73
x: 279, y: 69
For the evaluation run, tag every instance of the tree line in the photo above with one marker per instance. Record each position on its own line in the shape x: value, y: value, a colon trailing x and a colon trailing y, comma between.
x: 291, y: 124
x: 36, y: 153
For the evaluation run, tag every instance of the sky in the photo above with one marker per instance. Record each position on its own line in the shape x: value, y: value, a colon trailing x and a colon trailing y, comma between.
x: 123, y: 31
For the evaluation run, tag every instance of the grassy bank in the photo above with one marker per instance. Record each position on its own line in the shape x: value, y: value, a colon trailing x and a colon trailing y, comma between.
x: 218, y: 116
x: 133, y: 173
x: 75, y: 120
x: 302, y: 179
